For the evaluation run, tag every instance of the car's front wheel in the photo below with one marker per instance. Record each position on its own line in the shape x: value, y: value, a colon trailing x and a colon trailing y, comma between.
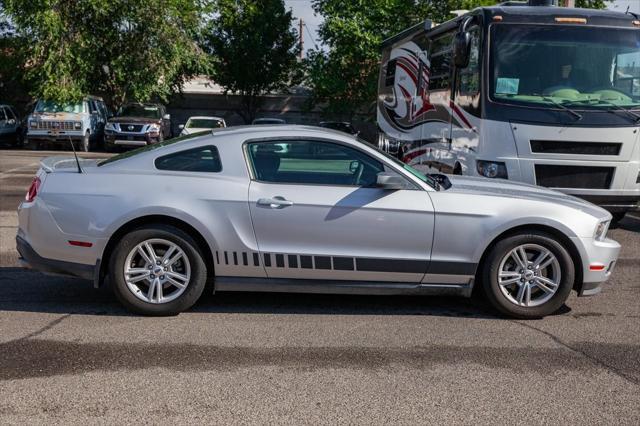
x: 158, y: 270
x: 528, y: 275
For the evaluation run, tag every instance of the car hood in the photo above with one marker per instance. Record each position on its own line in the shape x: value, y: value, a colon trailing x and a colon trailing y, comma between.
x: 133, y: 119
x: 518, y: 190
x: 62, y: 116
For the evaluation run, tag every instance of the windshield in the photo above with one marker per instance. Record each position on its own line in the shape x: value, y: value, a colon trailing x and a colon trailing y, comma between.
x: 426, y: 179
x: 556, y: 64
x: 204, y: 123
x: 139, y: 111
x: 49, y: 106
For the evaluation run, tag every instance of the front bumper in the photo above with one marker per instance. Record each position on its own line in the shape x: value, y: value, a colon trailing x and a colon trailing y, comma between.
x: 32, y: 260
x: 598, y: 254
x: 57, y: 137
x: 130, y: 139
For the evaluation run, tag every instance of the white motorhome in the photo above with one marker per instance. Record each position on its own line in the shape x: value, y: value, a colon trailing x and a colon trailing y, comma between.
x: 538, y: 94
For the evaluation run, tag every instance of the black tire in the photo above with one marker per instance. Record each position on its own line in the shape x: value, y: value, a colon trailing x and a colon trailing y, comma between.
x: 194, y: 288
x: 85, y: 143
x: 503, y: 248
x: 33, y: 144
x: 617, y: 217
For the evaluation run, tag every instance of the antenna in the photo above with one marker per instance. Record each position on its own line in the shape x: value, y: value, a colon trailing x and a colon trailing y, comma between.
x: 75, y: 155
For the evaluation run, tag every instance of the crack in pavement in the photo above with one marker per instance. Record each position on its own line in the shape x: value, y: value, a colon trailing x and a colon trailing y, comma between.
x: 629, y: 378
x: 38, y: 332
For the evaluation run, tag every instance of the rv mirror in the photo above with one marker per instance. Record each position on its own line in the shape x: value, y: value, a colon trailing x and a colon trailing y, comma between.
x: 461, y: 45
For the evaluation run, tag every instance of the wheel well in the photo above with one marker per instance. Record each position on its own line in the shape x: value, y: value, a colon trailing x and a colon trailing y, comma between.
x: 150, y: 220
x: 562, y: 237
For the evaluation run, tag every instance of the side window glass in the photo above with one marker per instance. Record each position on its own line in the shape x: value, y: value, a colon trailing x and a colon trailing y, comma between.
x: 313, y: 163
x: 470, y: 76
x: 10, y: 114
x: 92, y: 107
x: 441, y: 51
x: 390, y: 73
x: 3, y: 116
x: 204, y: 159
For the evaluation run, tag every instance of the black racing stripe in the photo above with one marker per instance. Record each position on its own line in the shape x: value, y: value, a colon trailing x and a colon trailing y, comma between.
x: 343, y: 263
x: 235, y: 258
x: 391, y: 265
x: 322, y: 262
x: 245, y: 259
x: 280, y: 260
x: 293, y: 261
x: 306, y: 262
x: 267, y: 259
x: 452, y: 268
x: 256, y: 259
x: 217, y: 258
x: 226, y: 258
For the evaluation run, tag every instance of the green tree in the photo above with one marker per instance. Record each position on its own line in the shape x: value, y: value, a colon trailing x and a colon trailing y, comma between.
x: 253, y: 48
x: 592, y: 4
x: 119, y: 49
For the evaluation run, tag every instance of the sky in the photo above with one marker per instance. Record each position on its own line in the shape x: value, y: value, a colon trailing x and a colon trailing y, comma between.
x: 302, y: 9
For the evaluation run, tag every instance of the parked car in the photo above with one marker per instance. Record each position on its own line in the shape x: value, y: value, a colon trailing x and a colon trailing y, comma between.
x: 268, y: 121
x: 201, y: 124
x: 137, y: 124
x: 347, y: 219
x: 10, y: 126
x: 81, y: 123
x: 341, y: 126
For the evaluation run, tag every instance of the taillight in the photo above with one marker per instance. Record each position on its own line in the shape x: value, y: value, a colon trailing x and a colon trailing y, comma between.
x: 33, y: 190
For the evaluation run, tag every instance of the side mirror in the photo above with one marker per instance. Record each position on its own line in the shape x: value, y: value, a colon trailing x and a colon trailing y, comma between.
x: 166, y: 117
x: 181, y: 126
x: 390, y: 181
x: 461, y: 48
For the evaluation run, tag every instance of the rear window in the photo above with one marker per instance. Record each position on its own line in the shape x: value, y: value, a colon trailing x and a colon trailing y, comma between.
x: 151, y: 147
x: 202, y: 159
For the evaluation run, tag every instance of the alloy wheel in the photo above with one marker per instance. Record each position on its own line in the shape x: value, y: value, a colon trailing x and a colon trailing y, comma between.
x: 157, y: 271
x: 529, y: 275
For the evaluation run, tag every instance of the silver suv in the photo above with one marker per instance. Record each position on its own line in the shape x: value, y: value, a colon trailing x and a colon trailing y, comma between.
x: 81, y: 123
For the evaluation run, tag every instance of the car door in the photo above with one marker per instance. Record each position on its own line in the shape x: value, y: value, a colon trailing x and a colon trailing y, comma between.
x: 318, y: 214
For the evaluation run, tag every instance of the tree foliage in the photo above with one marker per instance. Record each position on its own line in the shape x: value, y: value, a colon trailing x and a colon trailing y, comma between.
x: 253, y: 48
x: 119, y: 49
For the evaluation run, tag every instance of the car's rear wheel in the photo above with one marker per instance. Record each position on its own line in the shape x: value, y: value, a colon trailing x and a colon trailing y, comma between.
x: 528, y: 275
x: 158, y: 270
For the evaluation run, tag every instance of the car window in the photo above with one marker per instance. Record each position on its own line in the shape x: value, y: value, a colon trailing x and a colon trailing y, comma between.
x: 201, y: 159
x: 10, y: 113
x: 313, y: 162
x: 2, y: 114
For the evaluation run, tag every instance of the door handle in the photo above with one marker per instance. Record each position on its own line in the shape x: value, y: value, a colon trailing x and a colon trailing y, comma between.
x: 275, y: 202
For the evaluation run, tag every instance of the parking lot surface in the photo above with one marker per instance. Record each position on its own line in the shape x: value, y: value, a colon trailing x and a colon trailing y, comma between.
x: 71, y: 354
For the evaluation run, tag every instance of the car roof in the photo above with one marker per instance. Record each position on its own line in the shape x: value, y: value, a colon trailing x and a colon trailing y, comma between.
x: 210, y: 117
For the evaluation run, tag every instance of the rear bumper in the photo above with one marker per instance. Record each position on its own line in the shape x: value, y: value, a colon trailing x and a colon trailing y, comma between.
x: 32, y: 260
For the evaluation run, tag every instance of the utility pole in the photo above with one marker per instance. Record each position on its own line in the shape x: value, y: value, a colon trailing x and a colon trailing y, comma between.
x: 301, y: 39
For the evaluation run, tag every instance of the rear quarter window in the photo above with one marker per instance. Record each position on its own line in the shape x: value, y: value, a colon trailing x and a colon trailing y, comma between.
x: 204, y: 159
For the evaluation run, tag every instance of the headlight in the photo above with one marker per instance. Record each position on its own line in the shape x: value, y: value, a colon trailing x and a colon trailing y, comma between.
x: 111, y: 127
x: 77, y: 125
x: 153, y: 128
x: 601, y: 230
x: 492, y: 169
x: 33, y: 124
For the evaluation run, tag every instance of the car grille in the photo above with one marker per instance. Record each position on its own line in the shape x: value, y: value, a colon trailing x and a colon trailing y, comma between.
x: 127, y: 127
x: 574, y: 176
x: 57, y: 125
x: 577, y: 148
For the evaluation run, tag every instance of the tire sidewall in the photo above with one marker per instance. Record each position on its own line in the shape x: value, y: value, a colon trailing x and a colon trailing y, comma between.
x: 186, y: 243
x: 492, y: 266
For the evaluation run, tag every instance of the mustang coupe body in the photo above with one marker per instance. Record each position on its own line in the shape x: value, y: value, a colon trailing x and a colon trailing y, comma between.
x: 304, y: 209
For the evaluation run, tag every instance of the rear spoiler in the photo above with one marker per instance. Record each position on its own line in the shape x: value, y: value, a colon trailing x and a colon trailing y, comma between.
x: 65, y: 164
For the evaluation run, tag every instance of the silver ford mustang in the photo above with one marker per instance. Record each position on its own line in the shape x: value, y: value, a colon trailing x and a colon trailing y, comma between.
x: 304, y: 209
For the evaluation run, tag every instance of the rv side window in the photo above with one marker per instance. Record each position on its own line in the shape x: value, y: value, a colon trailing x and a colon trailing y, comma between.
x: 441, y: 62
x: 390, y: 74
x: 470, y: 76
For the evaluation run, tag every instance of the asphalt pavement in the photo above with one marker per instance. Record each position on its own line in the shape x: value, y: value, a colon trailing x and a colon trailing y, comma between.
x: 71, y: 354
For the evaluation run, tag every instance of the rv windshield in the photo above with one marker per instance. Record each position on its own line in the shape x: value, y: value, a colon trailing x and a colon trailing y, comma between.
x: 580, y: 67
